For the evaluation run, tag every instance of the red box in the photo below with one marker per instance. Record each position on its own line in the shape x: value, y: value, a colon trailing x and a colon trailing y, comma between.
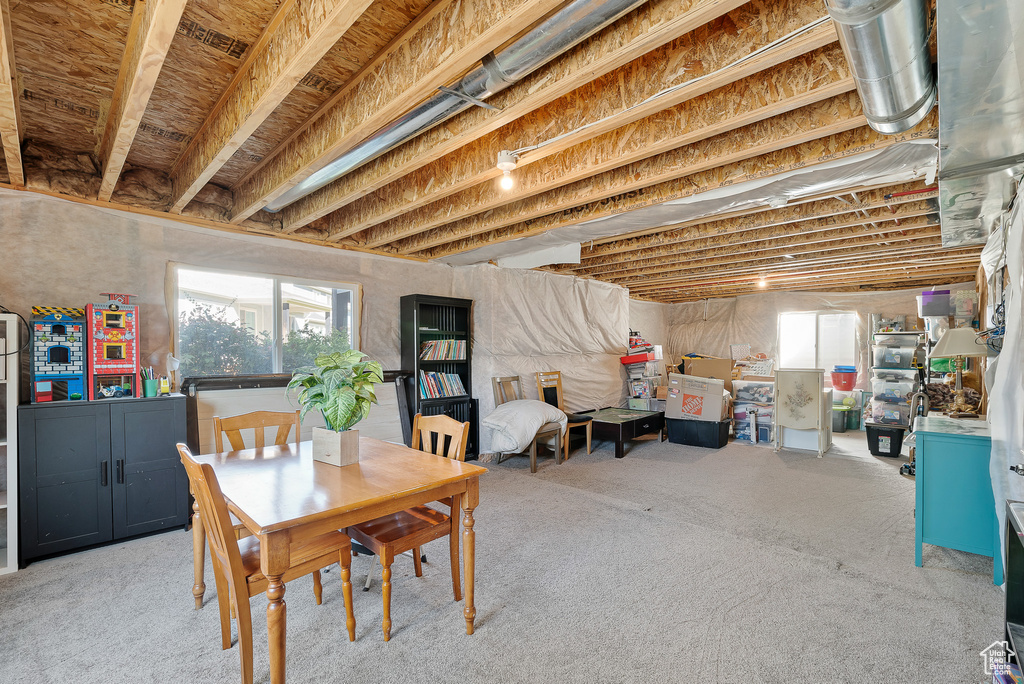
x: 637, y: 358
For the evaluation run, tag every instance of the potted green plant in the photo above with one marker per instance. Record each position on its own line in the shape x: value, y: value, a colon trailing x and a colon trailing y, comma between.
x: 341, y: 387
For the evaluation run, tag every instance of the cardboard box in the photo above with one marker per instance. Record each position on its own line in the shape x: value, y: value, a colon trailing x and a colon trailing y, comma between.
x: 720, y: 369
x: 696, y: 398
x: 661, y: 392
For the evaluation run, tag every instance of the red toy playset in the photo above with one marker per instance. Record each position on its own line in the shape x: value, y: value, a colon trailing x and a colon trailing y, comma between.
x: 113, y: 347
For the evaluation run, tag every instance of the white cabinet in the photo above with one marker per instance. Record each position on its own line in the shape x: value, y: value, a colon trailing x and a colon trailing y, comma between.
x: 9, y: 370
x: 803, y: 410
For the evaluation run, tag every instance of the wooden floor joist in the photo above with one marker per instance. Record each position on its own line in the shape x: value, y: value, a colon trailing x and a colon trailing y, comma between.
x: 297, y: 38
x: 843, y: 226
x: 154, y: 25
x: 785, y: 155
x: 443, y: 49
x: 653, y: 24
x: 635, y: 96
x: 798, y: 83
x: 10, y: 114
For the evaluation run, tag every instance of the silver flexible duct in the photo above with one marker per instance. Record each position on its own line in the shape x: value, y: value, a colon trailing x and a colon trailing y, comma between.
x: 886, y: 44
x: 562, y: 30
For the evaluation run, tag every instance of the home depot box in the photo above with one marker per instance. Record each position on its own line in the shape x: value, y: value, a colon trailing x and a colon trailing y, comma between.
x: 696, y: 398
x: 720, y: 369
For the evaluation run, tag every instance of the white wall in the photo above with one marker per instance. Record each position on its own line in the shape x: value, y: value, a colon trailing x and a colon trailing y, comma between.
x: 57, y: 252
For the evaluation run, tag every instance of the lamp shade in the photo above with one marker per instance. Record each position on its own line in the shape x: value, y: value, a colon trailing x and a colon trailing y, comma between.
x: 959, y: 342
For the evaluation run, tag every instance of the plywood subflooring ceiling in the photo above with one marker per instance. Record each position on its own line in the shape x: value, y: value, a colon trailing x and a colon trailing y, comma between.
x: 206, y: 110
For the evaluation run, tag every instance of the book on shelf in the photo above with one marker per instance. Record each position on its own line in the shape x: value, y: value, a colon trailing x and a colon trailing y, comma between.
x: 443, y: 350
x: 440, y: 385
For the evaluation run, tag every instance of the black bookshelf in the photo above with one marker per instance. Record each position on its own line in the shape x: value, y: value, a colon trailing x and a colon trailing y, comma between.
x: 448, y: 322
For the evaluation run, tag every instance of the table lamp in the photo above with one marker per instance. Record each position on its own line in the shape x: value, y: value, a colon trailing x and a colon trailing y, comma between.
x: 958, y: 344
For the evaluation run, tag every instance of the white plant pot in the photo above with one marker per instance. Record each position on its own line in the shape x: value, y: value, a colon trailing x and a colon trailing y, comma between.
x: 336, y: 448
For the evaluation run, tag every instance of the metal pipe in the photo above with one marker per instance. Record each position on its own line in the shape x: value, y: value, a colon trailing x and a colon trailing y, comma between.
x: 559, y: 32
x: 886, y: 45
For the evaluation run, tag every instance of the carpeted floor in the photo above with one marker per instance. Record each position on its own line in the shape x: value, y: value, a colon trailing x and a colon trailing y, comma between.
x: 674, y: 564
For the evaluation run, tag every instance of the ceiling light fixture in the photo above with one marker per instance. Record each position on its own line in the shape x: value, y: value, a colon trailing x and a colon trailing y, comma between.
x: 507, y: 162
x: 762, y: 282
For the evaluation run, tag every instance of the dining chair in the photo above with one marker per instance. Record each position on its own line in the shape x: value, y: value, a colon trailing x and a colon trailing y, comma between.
x: 287, y: 423
x: 236, y: 562
x: 549, y: 387
x: 258, y: 422
x: 510, y: 389
x: 391, y: 535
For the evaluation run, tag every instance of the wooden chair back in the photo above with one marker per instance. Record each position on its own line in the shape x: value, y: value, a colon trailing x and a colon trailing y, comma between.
x: 258, y: 421
x: 440, y: 435
x: 549, y: 387
x: 217, y: 522
x: 506, y: 389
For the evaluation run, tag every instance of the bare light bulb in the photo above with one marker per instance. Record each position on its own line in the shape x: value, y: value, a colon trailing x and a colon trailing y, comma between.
x: 507, y: 181
x: 762, y: 282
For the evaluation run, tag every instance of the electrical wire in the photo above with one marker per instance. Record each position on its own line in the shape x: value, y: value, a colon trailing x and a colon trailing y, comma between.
x: 28, y: 330
x: 756, y: 53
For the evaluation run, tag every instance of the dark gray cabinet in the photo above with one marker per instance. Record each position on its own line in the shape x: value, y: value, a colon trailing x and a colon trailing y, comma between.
x: 92, y: 472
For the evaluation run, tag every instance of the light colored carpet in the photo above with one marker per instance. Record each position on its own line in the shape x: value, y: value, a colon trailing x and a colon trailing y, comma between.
x: 674, y: 564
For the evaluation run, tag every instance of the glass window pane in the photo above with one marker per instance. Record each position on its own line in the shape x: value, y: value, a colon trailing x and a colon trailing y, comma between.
x: 837, y: 341
x: 317, y: 320
x: 797, y: 340
x: 225, y: 323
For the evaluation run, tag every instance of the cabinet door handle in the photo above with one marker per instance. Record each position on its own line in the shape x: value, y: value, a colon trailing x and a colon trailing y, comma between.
x: 103, y: 473
x: 120, y: 471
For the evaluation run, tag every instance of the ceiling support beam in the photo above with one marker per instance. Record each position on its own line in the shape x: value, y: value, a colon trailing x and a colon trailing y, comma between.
x: 913, y: 277
x: 297, y: 37
x: 852, y: 225
x: 655, y: 26
x: 443, y: 49
x: 755, y: 218
x: 922, y: 235
x: 805, y: 80
x: 936, y: 256
x: 688, y: 67
x: 10, y: 111
x: 780, y: 144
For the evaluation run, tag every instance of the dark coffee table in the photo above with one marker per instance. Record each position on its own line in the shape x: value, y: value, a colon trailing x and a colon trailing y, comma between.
x: 620, y: 424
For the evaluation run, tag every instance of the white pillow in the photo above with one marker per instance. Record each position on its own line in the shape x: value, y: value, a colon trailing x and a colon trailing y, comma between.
x: 515, y: 423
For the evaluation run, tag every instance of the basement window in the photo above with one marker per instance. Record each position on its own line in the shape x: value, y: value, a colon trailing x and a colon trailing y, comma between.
x: 231, y: 323
x: 813, y: 339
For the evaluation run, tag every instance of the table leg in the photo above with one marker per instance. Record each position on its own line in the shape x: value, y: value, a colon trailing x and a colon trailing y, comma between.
x: 620, y: 448
x: 198, y: 555
x: 469, y: 502
x: 276, y: 627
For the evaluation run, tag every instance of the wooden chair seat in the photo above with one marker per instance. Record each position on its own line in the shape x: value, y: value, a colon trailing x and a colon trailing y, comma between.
x: 407, y: 530
x: 236, y: 562
x: 287, y: 423
x: 508, y: 389
x: 549, y: 387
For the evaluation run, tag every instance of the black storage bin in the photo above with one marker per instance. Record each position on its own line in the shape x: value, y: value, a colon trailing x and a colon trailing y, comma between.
x: 702, y: 433
x: 884, y: 440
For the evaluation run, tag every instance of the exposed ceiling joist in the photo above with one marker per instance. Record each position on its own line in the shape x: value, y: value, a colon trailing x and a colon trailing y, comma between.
x: 10, y: 114
x: 786, y: 152
x: 789, y: 234
x: 440, y: 51
x: 154, y: 24
x: 648, y: 28
x: 625, y: 248
x: 295, y: 40
x: 936, y: 258
x: 802, y: 81
x: 689, y: 67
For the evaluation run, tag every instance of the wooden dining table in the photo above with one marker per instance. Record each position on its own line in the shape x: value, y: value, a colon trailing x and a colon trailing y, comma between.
x: 283, y: 497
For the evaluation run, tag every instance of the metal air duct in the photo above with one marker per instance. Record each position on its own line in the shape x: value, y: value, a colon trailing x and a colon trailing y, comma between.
x: 553, y: 36
x: 886, y: 44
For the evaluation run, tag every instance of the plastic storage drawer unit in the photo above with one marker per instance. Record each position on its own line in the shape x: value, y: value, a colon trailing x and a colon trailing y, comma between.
x: 893, y: 392
x: 894, y: 357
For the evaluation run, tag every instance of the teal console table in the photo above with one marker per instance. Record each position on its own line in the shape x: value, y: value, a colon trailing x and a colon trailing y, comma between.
x: 955, y: 505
